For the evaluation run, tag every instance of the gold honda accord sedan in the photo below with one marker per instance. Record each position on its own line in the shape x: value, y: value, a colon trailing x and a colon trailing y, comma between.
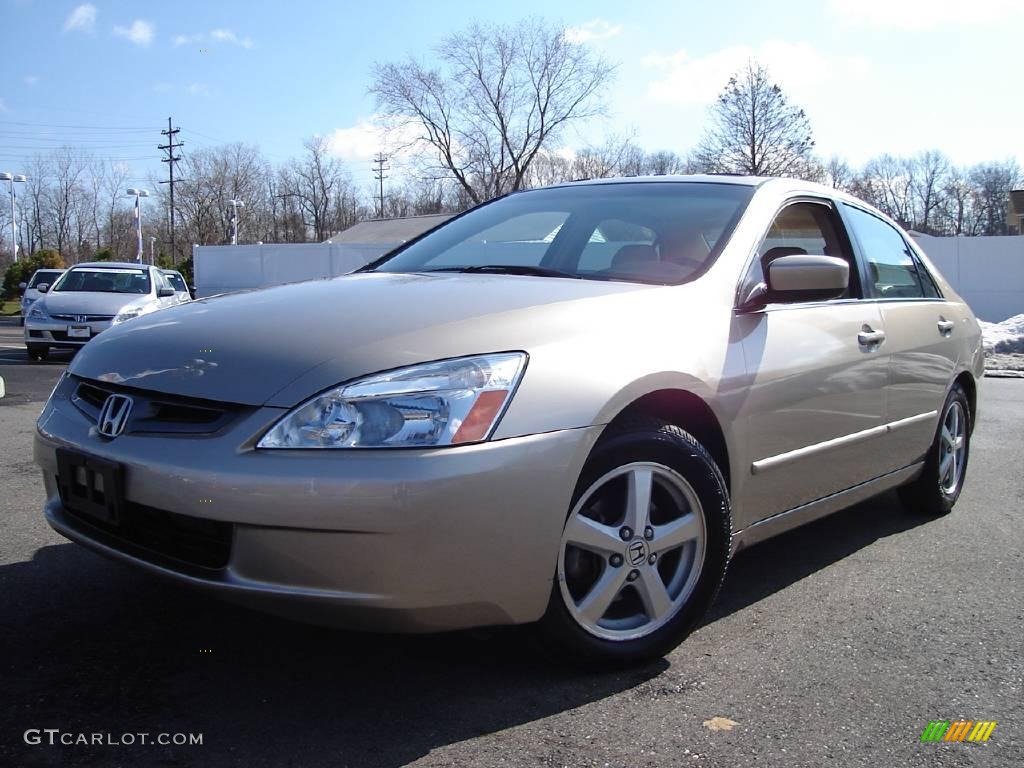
x: 568, y: 406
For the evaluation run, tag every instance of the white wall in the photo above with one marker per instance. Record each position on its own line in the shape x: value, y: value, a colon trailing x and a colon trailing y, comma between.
x: 224, y: 268
x: 987, y: 271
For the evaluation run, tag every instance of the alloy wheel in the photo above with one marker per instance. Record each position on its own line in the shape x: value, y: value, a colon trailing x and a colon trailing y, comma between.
x: 952, y: 447
x: 632, y: 551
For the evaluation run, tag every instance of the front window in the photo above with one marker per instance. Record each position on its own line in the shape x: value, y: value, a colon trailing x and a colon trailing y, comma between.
x: 651, y: 232
x: 44, y: 277
x: 101, y: 280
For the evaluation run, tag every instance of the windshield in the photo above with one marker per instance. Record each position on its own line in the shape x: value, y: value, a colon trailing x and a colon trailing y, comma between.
x: 44, y: 277
x: 177, y: 282
x: 655, y: 232
x: 97, y: 280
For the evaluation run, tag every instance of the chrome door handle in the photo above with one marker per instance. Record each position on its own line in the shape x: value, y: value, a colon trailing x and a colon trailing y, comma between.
x: 868, y: 338
x: 946, y: 326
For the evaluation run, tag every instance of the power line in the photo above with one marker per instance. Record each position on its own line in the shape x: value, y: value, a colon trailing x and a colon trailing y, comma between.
x: 171, y: 159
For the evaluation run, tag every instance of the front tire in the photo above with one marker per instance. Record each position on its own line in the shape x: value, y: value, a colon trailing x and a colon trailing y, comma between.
x: 38, y: 351
x: 644, y: 549
x: 937, y: 489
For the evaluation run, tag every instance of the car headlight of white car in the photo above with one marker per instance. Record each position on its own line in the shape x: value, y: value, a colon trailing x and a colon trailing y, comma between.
x: 127, y: 314
x: 37, y: 313
x: 448, y: 402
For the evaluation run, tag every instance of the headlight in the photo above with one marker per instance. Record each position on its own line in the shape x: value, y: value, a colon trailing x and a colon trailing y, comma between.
x: 37, y: 313
x: 443, y: 403
x: 126, y: 314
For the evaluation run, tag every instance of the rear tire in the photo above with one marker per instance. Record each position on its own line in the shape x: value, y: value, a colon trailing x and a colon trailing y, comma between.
x: 624, y: 594
x: 945, y: 469
x: 38, y: 351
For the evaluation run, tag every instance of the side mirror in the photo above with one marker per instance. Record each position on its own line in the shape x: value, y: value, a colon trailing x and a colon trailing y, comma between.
x: 43, y: 287
x: 807, y: 278
x: 163, y: 293
x: 22, y: 286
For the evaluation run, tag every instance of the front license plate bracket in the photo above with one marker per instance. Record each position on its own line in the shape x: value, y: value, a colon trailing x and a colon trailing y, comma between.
x: 90, y: 486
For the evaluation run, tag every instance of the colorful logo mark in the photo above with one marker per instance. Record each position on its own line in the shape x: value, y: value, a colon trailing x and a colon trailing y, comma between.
x: 958, y: 730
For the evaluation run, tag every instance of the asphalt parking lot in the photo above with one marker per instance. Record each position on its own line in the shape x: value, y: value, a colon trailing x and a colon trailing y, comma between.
x: 835, y: 644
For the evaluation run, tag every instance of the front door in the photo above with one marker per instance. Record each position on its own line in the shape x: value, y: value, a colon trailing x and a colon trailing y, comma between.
x: 816, y: 406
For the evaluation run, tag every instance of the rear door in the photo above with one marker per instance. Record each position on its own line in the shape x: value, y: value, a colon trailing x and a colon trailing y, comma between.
x: 816, y: 399
x: 922, y: 332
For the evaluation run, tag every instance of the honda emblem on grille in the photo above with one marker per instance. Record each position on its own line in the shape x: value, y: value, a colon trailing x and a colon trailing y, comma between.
x: 80, y: 318
x: 114, y: 415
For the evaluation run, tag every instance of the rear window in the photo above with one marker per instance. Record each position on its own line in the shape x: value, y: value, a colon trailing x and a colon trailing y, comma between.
x: 98, y: 280
x: 656, y: 232
x: 176, y: 282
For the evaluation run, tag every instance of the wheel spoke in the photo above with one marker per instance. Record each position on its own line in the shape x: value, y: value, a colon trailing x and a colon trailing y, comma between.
x: 600, y: 596
x: 944, y: 467
x: 947, y: 436
x: 652, y: 593
x: 638, y: 498
x: 676, y: 533
x: 589, y: 534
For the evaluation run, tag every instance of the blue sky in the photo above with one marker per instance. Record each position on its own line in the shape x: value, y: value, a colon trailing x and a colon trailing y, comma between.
x: 874, y: 75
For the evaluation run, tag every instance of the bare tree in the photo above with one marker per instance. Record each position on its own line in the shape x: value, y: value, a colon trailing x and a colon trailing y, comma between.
x: 754, y: 129
x: 992, y: 183
x: 320, y: 187
x: 504, y: 94
x: 885, y: 183
x: 928, y: 172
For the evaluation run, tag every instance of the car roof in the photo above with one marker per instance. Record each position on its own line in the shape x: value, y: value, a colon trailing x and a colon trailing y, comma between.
x: 171, y: 272
x: 111, y: 265
x: 48, y: 269
x: 715, y: 178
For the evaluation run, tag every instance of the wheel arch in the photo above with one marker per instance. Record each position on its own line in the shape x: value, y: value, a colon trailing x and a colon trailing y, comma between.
x: 970, y: 386
x: 689, y: 412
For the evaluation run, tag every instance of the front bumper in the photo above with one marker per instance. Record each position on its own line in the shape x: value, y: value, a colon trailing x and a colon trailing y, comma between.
x: 393, y: 540
x: 54, y: 333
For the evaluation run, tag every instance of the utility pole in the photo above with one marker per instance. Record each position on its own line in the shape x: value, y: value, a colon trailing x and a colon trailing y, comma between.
x: 171, y: 159
x: 379, y: 175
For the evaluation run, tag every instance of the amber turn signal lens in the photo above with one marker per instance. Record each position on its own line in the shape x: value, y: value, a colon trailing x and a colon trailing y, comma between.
x: 481, y: 416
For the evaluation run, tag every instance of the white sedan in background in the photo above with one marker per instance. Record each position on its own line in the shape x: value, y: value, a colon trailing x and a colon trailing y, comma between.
x: 88, y: 299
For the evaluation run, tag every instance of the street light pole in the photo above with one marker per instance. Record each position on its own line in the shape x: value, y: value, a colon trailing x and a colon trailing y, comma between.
x: 137, y: 193
x: 152, y: 250
x: 13, y: 178
x: 235, y: 205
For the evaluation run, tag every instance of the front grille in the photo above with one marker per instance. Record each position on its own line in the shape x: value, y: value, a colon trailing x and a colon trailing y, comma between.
x: 35, y: 334
x: 156, y: 413
x: 146, y: 532
x: 83, y: 318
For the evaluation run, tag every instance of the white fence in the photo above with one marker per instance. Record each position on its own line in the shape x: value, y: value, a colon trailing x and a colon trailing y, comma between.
x: 224, y: 268
x: 987, y: 271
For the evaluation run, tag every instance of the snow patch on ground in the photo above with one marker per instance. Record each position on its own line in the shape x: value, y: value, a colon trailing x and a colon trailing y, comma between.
x: 1006, y: 337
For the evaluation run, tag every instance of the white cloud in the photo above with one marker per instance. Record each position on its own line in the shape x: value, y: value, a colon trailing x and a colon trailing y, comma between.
x: 595, y: 29
x: 227, y: 36
x: 360, y: 142
x: 31, y: 80
x: 217, y: 35
x: 140, y: 32
x: 199, y: 89
x: 82, y: 19
x: 797, y: 67
x: 919, y: 14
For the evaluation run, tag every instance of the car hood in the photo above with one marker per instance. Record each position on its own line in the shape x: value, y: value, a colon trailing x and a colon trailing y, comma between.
x: 278, y: 346
x: 86, y: 303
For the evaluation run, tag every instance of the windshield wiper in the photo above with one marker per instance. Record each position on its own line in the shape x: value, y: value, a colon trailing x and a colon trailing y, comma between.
x: 508, y: 269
